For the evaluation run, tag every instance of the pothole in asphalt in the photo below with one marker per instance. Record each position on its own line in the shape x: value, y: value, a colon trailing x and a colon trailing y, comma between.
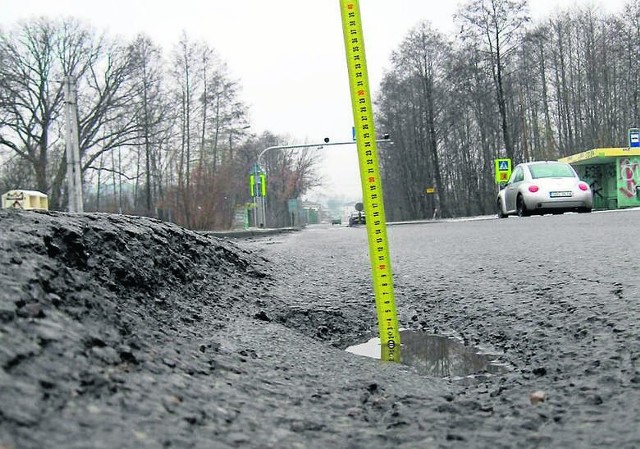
x: 436, y: 355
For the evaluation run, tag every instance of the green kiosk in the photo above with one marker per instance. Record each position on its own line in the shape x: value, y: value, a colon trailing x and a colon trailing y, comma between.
x: 612, y: 173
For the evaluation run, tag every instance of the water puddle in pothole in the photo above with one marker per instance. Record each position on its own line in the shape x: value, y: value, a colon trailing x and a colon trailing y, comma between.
x: 436, y: 355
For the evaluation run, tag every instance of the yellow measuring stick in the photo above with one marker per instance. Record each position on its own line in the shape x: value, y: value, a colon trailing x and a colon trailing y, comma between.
x: 371, y: 182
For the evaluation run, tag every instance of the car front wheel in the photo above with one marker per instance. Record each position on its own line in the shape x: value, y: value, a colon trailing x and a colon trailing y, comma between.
x: 500, y: 213
x: 521, y: 207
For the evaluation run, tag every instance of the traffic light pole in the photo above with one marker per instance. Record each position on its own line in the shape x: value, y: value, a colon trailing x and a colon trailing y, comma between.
x: 260, y: 201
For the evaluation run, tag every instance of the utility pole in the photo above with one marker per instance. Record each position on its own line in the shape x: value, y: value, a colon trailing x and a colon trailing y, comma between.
x: 74, y: 173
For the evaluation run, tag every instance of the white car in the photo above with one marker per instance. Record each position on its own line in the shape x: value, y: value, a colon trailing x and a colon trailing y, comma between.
x: 544, y: 187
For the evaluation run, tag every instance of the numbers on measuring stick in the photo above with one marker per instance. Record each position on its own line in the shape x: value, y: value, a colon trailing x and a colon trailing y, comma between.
x: 370, y: 180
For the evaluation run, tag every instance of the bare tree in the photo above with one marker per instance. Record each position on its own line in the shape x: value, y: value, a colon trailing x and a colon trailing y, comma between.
x: 496, y: 26
x: 154, y: 115
x: 210, y: 116
x: 185, y: 94
x: 422, y: 56
x: 30, y: 94
x: 37, y: 55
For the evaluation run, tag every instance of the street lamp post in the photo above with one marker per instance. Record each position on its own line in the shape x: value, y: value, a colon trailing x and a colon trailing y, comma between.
x: 260, y: 201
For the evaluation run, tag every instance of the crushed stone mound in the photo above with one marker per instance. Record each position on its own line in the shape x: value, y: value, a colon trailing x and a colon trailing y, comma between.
x: 86, y: 298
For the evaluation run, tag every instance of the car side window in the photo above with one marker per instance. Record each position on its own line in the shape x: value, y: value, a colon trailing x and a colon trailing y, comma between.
x: 517, y: 175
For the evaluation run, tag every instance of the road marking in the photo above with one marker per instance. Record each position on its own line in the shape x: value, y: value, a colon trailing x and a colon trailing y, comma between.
x: 371, y: 182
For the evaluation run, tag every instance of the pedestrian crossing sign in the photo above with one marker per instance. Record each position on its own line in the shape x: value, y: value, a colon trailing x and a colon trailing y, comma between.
x: 503, y: 170
x: 634, y: 138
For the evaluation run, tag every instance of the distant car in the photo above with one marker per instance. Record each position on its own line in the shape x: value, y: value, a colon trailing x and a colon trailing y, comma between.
x: 356, y: 218
x: 544, y: 187
x: 335, y: 221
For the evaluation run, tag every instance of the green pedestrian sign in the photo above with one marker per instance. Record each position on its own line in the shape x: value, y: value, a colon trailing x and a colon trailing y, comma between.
x: 503, y: 170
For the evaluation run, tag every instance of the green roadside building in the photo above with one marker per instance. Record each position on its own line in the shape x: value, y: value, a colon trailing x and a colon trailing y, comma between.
x: 612, y: 173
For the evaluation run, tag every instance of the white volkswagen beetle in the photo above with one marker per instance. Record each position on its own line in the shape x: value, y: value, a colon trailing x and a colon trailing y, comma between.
x: 544, y: 187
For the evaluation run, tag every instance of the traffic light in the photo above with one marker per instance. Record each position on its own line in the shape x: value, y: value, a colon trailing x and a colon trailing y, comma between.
x: 263, y: 184
x: 252, y: 184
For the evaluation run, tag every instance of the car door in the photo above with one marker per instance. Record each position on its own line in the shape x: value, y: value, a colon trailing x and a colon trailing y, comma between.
x: 511, y: 192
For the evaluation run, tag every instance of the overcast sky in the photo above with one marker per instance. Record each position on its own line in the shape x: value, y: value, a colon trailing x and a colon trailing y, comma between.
x: 288, y: 55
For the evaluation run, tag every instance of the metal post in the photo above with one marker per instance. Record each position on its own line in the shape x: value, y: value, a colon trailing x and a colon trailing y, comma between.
x: 74, y: 174
x: 255, y: 212
x: 255, y: 186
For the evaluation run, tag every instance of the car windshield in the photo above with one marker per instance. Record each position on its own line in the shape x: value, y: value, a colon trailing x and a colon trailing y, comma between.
x: 551, y: 171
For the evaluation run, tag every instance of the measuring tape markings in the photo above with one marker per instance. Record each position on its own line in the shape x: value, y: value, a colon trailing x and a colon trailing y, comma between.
x: 370, y: 179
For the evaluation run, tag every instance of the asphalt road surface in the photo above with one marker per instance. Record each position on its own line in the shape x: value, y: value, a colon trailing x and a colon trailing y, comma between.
x: 124, y: 332
x: 557, y: 296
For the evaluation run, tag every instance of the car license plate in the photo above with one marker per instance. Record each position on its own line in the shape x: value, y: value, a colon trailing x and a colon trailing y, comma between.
x: 560, y: 194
